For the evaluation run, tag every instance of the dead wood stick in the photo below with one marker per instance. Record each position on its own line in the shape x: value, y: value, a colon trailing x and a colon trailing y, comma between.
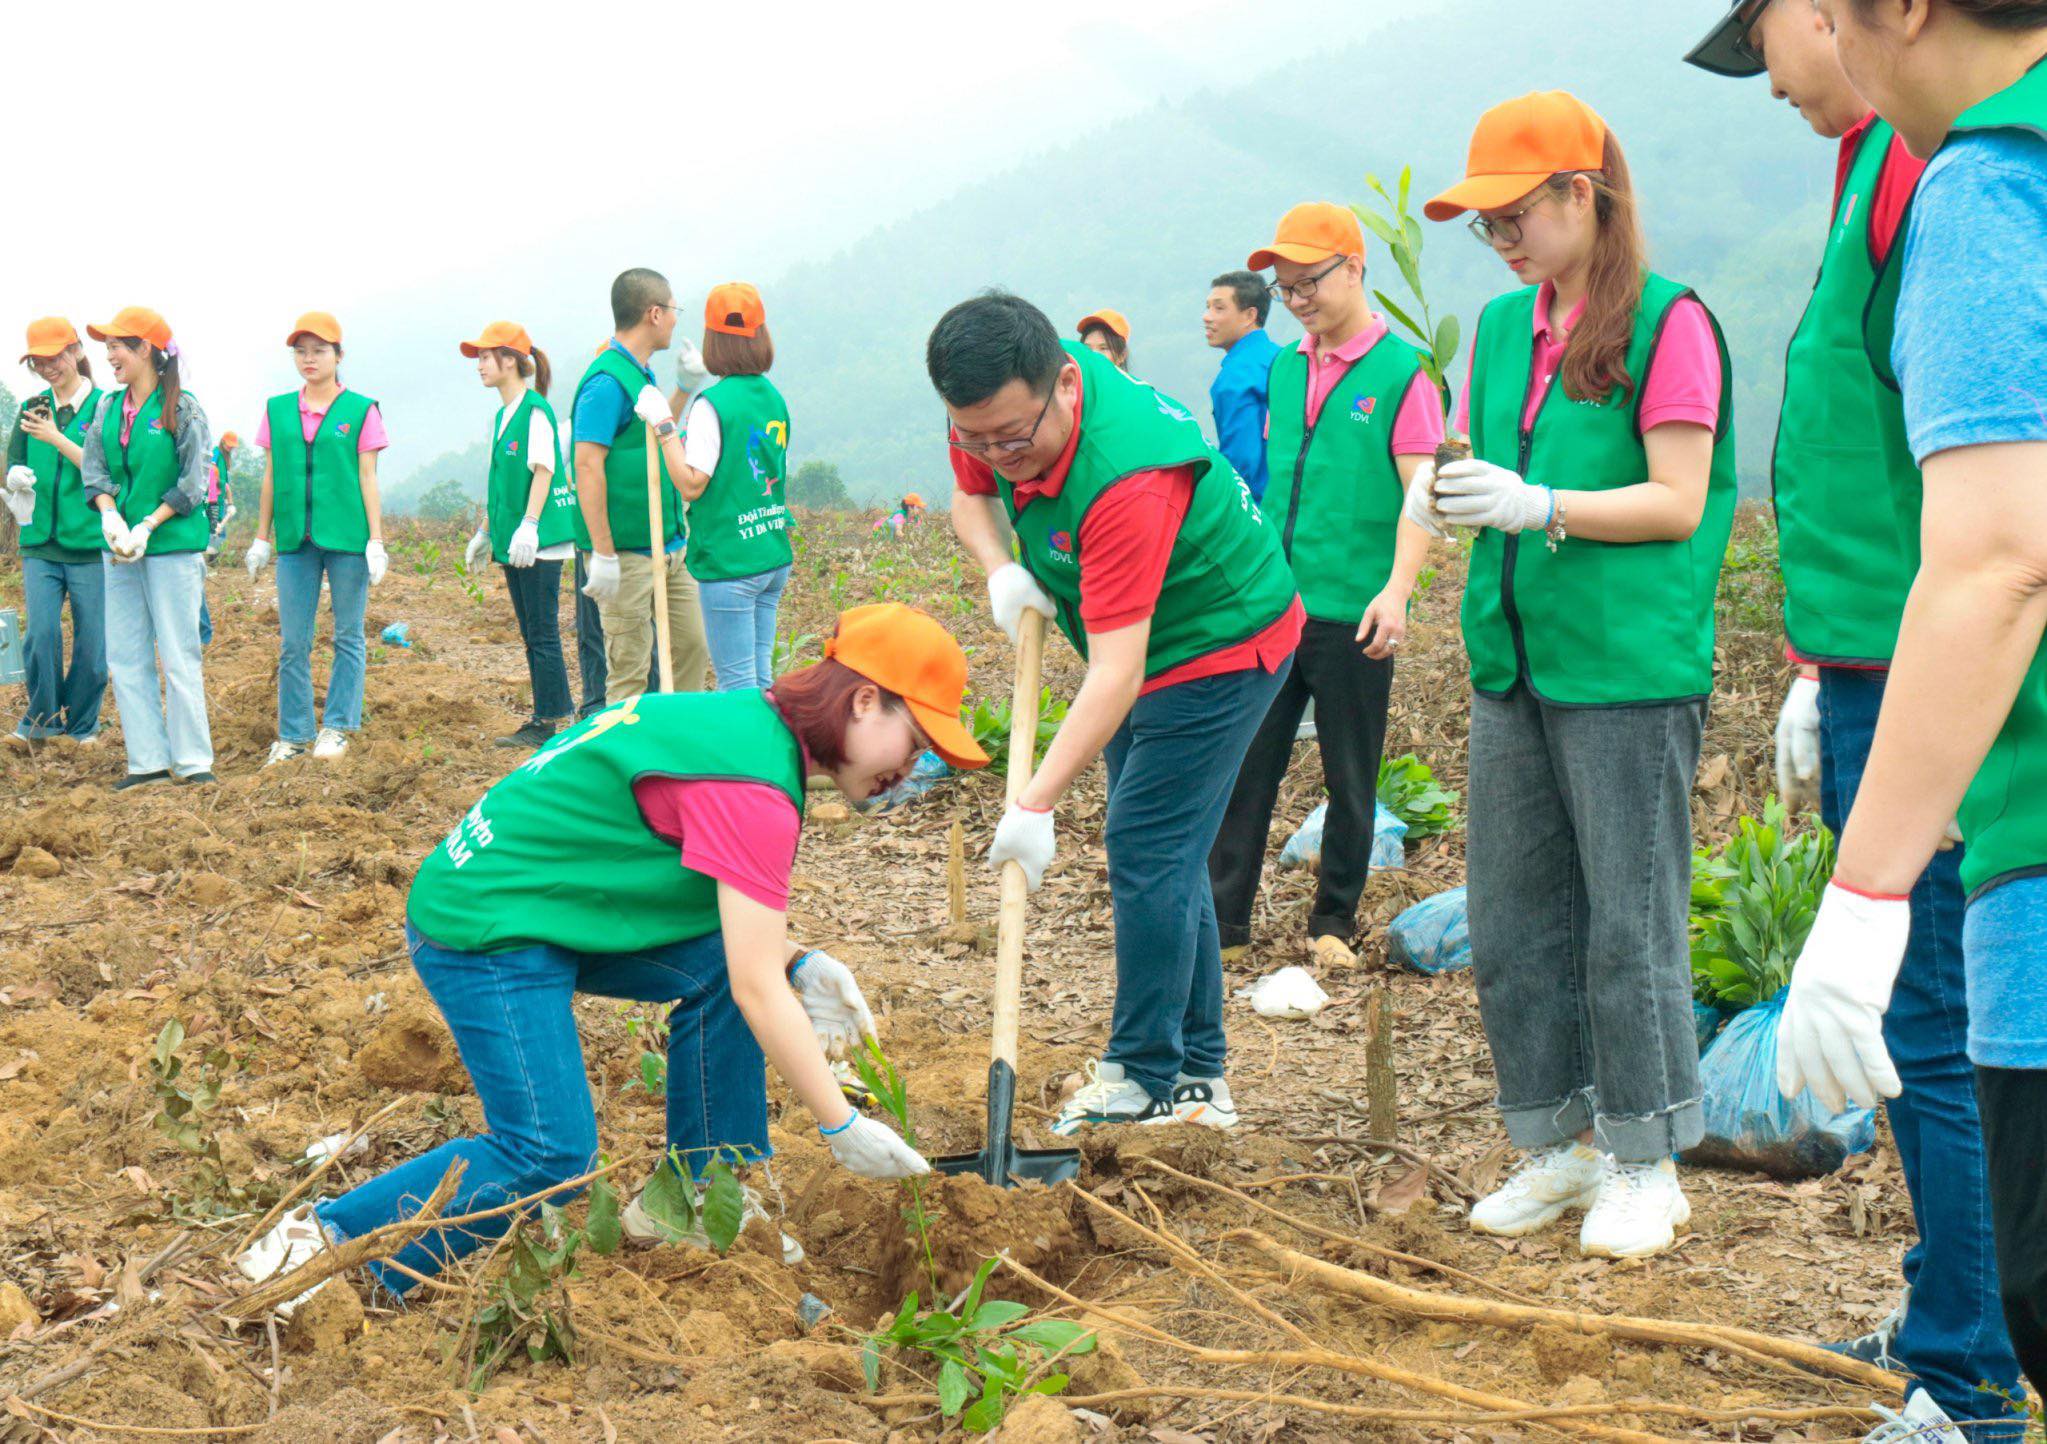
x: 276, y: 1364
x: 1381, y: 1099
x: 1763, y: 1347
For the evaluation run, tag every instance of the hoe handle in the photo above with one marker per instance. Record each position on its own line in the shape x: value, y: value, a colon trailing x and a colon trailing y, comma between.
x: 1009, y: 925
x: 657, y: 558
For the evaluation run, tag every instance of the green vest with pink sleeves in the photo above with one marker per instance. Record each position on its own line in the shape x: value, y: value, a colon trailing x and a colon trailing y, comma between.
x: 316, y: 486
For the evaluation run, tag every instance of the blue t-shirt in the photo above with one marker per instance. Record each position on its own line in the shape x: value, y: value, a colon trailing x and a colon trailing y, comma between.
x: 1237, y: 397
x: 603, y: 411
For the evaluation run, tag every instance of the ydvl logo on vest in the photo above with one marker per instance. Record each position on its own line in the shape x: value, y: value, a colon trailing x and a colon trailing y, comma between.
x: 1059, y: 548
x: 1362, y: 409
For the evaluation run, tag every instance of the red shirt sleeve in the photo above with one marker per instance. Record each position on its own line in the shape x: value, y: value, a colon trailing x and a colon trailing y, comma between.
x: 741, y: 833
x: 971, y: 474
x: 1125, y: 542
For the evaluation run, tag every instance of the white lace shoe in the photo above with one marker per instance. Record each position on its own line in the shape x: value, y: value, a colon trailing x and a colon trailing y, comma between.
x: 1109, y: 1097
x: 294, y: 1239
x: 1921, y: 1421
x: 283, y: 751
x: 642, y: 1227
x: 331, y: 742
x: 1559, y: 1178
x: 1638, y: 1212
x: 1205, y: 1101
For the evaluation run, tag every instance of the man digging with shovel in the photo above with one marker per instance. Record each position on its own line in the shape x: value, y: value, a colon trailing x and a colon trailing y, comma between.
x: 1139, y: 541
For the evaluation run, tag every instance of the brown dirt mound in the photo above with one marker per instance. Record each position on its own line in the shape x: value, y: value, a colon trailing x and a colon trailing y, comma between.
x: 972, y: 1222
x: 413, y: 1051
x: 347, y: 1416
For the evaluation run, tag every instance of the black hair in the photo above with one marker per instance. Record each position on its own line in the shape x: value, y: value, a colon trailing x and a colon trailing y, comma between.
x: 1248, y: 289
x: 983, y: 344
x: 634, y: 293
x: 1119, y: 349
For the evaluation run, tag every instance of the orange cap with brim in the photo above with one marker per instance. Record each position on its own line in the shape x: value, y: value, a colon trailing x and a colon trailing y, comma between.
x: 1311, y: 232
x: 315, y: 323
x: 228, y: 438
x: 912, y: 499
x: 136, y: 322
x: 1519, y: 145
x: 734, y: 309
x: 908, y: 653
x: 1115, y: 320
x: 50, y: 336
x: 508, y: 334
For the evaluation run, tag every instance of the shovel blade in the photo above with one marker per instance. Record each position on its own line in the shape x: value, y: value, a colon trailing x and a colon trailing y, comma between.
x: 1002, y: 1163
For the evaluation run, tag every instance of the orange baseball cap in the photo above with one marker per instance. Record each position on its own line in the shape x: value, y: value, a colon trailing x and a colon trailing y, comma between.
x: 1519, y: 145
x: 912, y: 499
x: 49, y: 337
x: 228, y: 438
x: 910, y: 654
x: 734, y: 309
x: 1313, y: 231
x: 134, y: 322
x: 500, y: 333
x: 315, y: 323
x: 1115, y: 320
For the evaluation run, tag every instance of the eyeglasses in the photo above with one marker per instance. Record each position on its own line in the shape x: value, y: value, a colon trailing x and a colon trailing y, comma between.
x: 1304, y: 289
x: 1009, y: 446
x: 1504, y: 229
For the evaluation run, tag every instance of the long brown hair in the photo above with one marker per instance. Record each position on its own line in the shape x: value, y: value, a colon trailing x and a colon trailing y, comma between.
x: 534, y: 365
x: 166, y: 364
x: 1596, y: 359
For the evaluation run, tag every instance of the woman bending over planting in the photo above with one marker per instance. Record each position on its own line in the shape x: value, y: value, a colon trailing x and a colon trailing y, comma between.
x: 1602, y: 486
x: 564, y: 878
x: 320, y: 505
x: 529, y: 524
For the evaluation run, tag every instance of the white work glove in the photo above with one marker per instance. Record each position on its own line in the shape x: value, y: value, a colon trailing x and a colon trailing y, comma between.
x: 873, y: 1150
x: 114, y: 530
x: 1477, y: 493
x: 1421, y: 502
x: 258, y: 556
x: 1023, y: 837
x: 1831, y: 1036
x: 227, y: 516
x: 378, y: 559
x: 839, y: 1014
x: 1798, y: 746
x: 691, y: 374
x: 478, y: 545
x: 21, y: 493
x: 602, y: 585
x: 525, y: 544
x: 652, y: 407
x: 1010, y: 590
x: 132, y: 546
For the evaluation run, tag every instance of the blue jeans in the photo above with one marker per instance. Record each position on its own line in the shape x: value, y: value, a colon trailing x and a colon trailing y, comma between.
x: 536, y: 605
x: 298, y: 612
x: 1172, y: 766
x: 1954, y: 1336
x: 64, y: 700
x: 739, y: 624
x: 152, y: 622
x: 512, y: 1017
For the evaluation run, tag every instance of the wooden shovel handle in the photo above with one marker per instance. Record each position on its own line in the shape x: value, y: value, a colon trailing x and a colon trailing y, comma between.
x: 657, y: 557
x: 1009, y: 923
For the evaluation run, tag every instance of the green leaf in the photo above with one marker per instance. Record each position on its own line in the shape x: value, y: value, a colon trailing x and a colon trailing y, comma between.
x: 724, y: 1208
x: 1378, y: 225
x: 973, y: 1299
x: 870, y: 1363
x: 996, y: 1314
x: 1388, y: 305
x: 1448, y: 334
x: 1051, y: 1384
x: 1055, y: 1336
x: 937, y: 1327
x: 905, y: 1326
x: 168, y: 1041
x: 670, y: 1201
x: 602, y: 1226
x: 987, y: 1412
x: 1410, y: 271
x: 953, y: 1388
x: 1406, y: 184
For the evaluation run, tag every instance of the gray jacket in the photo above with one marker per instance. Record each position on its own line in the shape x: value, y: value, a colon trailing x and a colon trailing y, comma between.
x: 195, y: 450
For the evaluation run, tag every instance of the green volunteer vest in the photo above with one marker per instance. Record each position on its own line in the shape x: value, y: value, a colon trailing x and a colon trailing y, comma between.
x: 2004, y: 814
x: 557, y: 851
x: 1335, y: 495
x: 1592, y: 624
x: 1845, y: 486
x: 625, y: 468
x: 1226, y: 579
x: 145, y: 470
x: 511, y: 480
x: 63, y: 517
x: 739, y: 527
x: 324, y: 478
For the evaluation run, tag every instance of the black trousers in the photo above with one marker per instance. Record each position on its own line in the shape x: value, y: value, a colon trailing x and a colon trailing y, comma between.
x: 1350, y: 692
x: 2013, y: 1103
x: 536, y: 605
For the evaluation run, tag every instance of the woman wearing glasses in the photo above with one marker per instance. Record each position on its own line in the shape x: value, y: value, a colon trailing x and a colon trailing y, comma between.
x: 1602, y: 487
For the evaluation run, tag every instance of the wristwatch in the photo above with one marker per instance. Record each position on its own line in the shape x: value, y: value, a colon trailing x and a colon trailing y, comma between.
x: 665, y: 430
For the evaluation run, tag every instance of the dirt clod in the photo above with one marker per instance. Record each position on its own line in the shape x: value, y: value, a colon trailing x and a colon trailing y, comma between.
x: 16, y: 1312
x: 208, y: 889
x: 35, y: 862
x: 973, y: 1222
x: 412, y: 1050
x: 1041, y: 1420
x: 347, y: 1416
x: 1559, y: 1354
x: 327, y: 1322
x: 1105, y: 1371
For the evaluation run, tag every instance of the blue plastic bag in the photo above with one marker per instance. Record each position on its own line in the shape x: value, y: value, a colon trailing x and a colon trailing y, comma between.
x: 395, y: 634
x: 926, y: 773
x: 1433, y: 936
x: 1707, y: 1020
x: 1389, y: 840
x: 1749, y: 1124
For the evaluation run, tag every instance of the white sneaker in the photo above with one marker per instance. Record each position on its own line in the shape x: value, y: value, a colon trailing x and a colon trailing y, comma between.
x: 1638, y: 1212
x: 293, y: 1240
x: 283, y: 751
x: 642, y: 1227
x: 1566, y: 1176
x: 1921, y: 1421
x: 331, y: 742
x: 1109, y: 1097
x: 1205, y: 1101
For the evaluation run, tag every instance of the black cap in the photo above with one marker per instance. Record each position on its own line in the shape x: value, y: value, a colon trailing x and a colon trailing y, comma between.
x: 1725, y: 50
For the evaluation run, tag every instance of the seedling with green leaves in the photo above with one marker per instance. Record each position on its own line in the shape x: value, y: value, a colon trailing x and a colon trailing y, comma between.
x: 1753, y: 905
x: 650, y: 1031
x: 527, y: 1308
x: 1401, y: 234
x: 688, y: 1207
x: 990, y: 722
x: 188, y: 1092
x: 1412, y: 794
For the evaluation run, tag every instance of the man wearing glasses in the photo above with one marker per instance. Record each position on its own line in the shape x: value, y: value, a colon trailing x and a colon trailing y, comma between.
x: 1847, y: 495
x: 1137, y: 538
x: 1352, y: 416
x: 616, y: 401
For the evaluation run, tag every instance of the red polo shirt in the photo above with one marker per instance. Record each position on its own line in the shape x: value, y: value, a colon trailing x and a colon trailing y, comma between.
x: 1127, y: 538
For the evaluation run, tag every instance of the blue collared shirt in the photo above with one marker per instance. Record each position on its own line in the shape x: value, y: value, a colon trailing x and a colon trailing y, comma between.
x: 1237, y: 396
x: 603, y: 411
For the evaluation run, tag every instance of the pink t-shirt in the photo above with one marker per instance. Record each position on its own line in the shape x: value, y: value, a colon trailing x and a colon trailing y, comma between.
x: 371, y: 439
x: 1684, y: 380
x: 1419, y: 425
x: 741, y: 833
